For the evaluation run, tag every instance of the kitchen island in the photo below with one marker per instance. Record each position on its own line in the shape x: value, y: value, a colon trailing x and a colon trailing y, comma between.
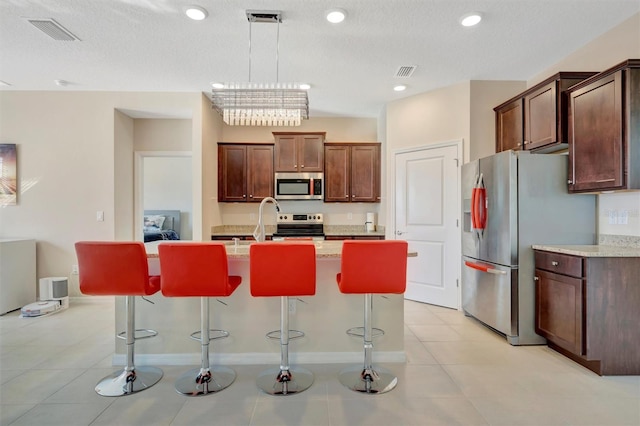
x: 323, y: 318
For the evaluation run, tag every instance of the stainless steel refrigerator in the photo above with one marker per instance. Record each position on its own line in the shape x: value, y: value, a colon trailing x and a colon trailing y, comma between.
x: 510, y: 201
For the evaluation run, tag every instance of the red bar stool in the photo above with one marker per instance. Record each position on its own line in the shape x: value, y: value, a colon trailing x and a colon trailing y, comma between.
x: 199, y: 270
x: 283, y: 269
x: 109, y: 268
x: 369, y: 267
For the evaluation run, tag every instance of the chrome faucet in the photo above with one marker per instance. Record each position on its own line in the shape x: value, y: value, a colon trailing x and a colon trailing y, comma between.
x: 259, y: 233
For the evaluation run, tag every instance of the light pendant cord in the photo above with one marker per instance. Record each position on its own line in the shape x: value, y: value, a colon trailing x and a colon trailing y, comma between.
x: 250, y: 24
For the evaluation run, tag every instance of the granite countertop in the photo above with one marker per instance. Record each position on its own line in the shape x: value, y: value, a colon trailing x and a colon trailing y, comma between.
x: 324, y: 249
x: 608, y: 246
x: 329, y: 230
x: 591, y: 250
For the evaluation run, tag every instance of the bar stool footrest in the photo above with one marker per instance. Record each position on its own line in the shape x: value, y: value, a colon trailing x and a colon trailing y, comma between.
x: 359, y: 332
x: 293, y: 334
x: 140, y: 333
x: 213, y: 334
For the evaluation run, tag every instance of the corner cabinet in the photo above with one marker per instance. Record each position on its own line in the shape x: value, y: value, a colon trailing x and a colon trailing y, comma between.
x: 299, y: 152
x: 352, y: 172
x: 604, y: 131
x: 587, y: 309
x: 536, y: 119
x: 245, y: 172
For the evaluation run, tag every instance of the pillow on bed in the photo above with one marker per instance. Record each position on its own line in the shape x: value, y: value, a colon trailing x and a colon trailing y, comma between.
x: 154, y: 221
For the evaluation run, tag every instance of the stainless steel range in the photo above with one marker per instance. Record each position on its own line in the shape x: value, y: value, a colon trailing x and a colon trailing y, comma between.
x: 299, y: 226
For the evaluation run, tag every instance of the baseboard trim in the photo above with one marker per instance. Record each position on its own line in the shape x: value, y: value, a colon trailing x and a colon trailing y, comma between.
x: 258, y: 358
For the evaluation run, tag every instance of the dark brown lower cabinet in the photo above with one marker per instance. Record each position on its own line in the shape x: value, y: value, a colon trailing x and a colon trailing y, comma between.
x: 588, y: 309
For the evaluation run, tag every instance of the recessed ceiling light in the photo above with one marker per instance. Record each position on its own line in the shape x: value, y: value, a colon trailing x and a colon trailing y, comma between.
x: 400, y: 88
x: 305, y: 86
x: 196, y: 13
x: 217, y: 85
x: 335, y: 16
x: 61, y: 83
x: 471, y: 19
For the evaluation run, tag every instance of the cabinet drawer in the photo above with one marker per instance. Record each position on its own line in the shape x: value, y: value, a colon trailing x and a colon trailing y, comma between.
x: 559, y: 263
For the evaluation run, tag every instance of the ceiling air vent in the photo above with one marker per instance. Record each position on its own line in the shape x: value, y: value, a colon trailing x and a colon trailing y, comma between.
x: 54, y: 30
x: 405, y: 71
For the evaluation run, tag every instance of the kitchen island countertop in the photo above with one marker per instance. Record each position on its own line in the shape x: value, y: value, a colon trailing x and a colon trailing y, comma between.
x: 324, y: 249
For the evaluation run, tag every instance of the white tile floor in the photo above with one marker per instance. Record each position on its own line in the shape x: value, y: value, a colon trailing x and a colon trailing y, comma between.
x: 458, y: 373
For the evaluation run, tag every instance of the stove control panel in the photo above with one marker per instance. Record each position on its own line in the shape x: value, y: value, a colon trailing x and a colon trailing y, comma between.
x: 299, y: 218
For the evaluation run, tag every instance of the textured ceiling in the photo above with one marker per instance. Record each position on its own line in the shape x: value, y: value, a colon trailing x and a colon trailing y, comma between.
x: 150, y: 45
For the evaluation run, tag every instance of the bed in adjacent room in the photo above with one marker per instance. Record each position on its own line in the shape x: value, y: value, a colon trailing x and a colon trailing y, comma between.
x: 161, y: 225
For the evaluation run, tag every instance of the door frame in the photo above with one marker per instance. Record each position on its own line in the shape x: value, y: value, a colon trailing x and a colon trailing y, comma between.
x: 391, y: 208
x: 138, y: 186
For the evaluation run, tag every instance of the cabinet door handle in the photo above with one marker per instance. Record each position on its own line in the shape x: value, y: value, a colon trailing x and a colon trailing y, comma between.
x: 302, y: 166
x: 525, y: 142
x: 353, y: 196
x: 569, y: 181
x: 554, y: 263
x: 244, y: 195
x: 536, y: 279
x: 250, y: 196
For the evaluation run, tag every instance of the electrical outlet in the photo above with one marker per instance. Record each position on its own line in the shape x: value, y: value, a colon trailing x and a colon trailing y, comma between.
x: 292, y: 306
x: 252, y: 217
x: 74, y: 269
x: 623, y: 217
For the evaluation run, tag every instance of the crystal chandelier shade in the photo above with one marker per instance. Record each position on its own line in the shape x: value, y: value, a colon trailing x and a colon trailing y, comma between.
x: 261, y: 104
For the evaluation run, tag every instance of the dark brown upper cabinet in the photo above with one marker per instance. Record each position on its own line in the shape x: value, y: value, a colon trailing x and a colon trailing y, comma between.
x: 352, y: 172
x: 299, y: 152
x: 245, y: 172
x: 604, y: 130
x: 536, y: 119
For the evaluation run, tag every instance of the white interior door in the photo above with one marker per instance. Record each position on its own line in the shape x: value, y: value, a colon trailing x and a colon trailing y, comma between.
x: 426, y: 215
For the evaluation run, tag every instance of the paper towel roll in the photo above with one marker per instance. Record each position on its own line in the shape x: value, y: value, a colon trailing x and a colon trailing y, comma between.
x: 370, y: 224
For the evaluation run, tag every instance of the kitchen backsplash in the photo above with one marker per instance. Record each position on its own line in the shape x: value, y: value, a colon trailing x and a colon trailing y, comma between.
x: 619, y: 240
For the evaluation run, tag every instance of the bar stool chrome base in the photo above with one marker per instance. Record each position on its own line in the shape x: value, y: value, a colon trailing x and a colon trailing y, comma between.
x: 198, y: 382
x: 124, y: 382
x: 276, y: 381
x: 368, y: 380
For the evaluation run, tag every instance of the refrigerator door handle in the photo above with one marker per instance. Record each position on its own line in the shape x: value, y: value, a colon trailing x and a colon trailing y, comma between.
x: 484, y: 268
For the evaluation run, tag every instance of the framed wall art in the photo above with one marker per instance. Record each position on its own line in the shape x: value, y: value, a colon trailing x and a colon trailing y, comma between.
x: 8, y: 174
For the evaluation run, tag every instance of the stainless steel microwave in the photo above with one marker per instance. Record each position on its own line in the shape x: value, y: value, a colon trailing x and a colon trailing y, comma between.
x: 299, y: 186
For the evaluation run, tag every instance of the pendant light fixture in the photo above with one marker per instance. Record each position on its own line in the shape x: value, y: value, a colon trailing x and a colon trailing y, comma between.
x: 261, y: 104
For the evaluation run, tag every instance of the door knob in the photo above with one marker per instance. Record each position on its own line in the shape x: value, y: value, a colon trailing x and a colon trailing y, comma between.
x: 399, y: 232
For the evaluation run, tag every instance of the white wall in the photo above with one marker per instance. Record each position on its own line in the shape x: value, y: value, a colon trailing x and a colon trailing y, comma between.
x: 75, y: 158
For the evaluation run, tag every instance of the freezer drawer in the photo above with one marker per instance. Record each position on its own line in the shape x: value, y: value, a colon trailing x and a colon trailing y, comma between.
x: 489, y: 294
